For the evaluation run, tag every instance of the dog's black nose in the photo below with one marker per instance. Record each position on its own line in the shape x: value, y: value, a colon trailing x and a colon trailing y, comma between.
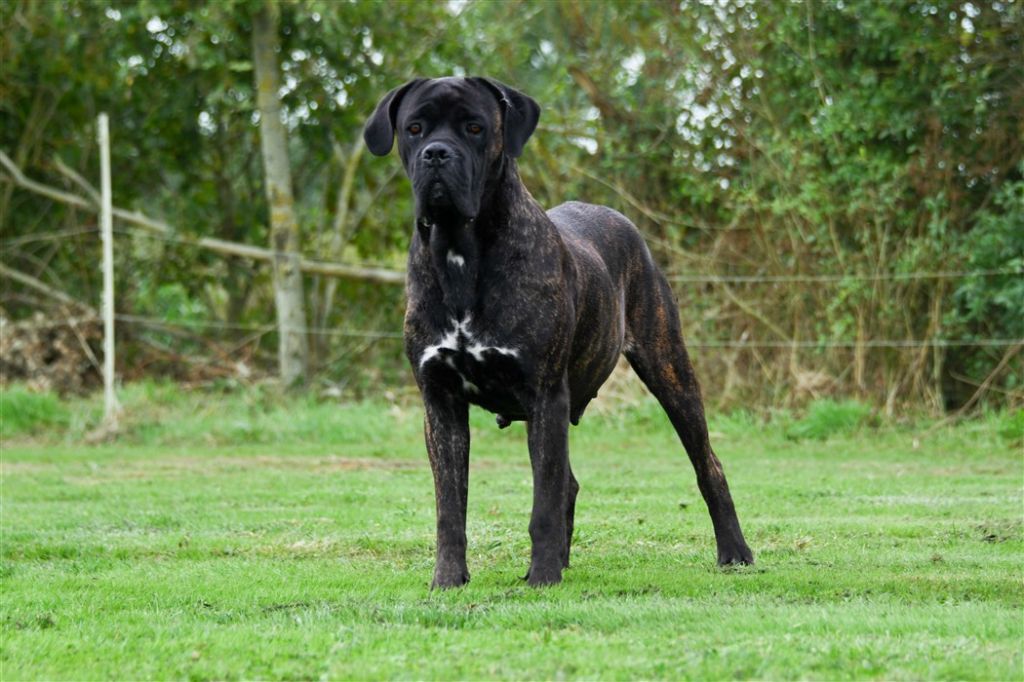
x: 436, y: 154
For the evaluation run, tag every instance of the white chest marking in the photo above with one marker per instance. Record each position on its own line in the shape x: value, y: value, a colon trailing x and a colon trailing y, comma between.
x: 477, y: 351
x: 455, y: 259
x: 460, y: 338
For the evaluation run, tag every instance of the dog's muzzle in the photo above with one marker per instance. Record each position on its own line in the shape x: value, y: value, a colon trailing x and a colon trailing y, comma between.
x: 441, y: 180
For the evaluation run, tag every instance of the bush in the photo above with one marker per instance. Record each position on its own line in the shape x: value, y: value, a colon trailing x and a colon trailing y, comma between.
x: 23, y: 412
x: 1011, y: 427
x: 827, y: 418
x: 988, y: 306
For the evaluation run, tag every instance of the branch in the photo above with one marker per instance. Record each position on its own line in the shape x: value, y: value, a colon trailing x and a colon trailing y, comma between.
x: 75, y: 177
x: 749, y: 310
x: 39, y: 188
x: 986, y: 384
x: 41, y: 287
x: 655, y: 216
x: 222, y: 246
x: 982, y: 388
x: 599, y: 99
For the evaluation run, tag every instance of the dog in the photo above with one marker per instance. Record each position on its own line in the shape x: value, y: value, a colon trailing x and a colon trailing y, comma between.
x: 525, y: 313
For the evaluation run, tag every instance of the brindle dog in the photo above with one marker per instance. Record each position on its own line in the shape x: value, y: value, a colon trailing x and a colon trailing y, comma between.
x: 525, y: 313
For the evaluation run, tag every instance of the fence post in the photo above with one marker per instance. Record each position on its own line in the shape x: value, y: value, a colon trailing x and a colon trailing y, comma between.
x: 111, y: 408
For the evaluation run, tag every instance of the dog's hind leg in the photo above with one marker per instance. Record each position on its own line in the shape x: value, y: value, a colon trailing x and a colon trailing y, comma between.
x: 570, y: 513
x: 656, y: 352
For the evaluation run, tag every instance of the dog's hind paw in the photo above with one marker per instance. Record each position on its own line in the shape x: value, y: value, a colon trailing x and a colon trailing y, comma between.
x: 541, y: 576
x: 735, y: 556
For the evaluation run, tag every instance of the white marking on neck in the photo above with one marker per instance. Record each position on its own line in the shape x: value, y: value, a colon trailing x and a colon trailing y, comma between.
x: 455, y: 259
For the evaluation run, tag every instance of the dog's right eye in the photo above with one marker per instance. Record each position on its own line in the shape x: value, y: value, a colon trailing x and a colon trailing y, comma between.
x: 415, y: 129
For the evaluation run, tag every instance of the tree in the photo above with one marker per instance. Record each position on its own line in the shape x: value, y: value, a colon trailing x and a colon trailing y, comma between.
x: 293, y: 350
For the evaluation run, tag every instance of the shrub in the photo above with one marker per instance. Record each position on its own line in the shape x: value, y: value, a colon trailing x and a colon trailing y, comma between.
x: 827, y: 418
x: 1011, y: 426
x: 24, y: 412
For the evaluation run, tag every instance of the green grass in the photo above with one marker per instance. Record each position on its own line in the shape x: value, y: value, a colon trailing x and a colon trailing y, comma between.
x: 828, y: 418
x: 251, y: 537
x: 25, y: 412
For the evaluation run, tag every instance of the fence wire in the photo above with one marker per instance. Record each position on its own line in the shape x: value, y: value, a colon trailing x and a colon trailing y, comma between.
x: 133, y: 231
x: 852, y: 277
x: 375, y: 334
x: 682, y: 278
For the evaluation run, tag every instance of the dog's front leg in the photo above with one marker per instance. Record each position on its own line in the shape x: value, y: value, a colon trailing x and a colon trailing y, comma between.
x: 446, y: 429
x: 548, y: 438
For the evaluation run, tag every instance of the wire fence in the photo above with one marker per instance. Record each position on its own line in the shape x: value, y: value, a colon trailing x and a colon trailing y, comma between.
x: 226, y: 348
x: 369, y: 337
x: 681, y: 278
x: 131, y: 230
x: 700, y: 279
x: 377, y: 334
x: 833, y: 278
x: 266, y: 328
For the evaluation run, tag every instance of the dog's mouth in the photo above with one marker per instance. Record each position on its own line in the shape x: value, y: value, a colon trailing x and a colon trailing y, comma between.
x: 438, y: 193
x: 433, y: 186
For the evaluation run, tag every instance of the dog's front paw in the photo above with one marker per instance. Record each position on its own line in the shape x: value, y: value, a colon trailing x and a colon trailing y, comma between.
x: 446, y: 577
x: 735, y: 554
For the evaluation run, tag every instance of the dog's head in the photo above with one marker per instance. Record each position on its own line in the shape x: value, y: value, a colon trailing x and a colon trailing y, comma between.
x: 453, y: 134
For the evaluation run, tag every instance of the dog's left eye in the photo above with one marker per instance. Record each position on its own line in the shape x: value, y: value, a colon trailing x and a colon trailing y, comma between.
x: 474, y: 128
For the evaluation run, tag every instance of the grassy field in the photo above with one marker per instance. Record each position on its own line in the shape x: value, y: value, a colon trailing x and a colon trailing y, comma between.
x: 248, y: 537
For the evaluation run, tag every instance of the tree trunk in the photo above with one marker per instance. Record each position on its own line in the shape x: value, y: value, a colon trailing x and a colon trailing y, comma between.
x: 293, y: 350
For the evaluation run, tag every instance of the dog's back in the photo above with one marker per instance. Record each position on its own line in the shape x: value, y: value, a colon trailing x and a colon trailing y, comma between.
x: 589, y: 228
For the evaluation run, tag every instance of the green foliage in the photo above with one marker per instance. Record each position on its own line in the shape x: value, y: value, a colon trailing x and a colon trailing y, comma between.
x: 310, y: 556
x: 990, y: 305
x: 829, y: 418
x: 766, y: 139
x: 1011, y: 427
x: 169, y: 302
x: 24, y: 413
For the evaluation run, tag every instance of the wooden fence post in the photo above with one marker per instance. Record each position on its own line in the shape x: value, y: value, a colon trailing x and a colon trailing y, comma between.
x: 111, y: 408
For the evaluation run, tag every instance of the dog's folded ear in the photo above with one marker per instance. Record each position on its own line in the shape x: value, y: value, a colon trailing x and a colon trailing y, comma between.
x: 379, y: 132
x: 521, y: 114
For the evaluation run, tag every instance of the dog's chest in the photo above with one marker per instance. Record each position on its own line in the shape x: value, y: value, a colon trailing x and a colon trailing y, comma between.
x: 479, y: 364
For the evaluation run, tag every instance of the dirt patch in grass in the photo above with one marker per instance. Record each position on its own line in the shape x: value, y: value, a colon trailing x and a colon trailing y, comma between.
x: 330, y: 463
x: 92, y: 473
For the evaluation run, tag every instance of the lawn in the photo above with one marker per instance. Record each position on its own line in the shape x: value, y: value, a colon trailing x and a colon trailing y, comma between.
x: 225, y: 537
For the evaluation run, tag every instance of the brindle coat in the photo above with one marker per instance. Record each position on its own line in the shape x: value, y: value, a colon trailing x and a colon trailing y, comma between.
x: 525, y: 313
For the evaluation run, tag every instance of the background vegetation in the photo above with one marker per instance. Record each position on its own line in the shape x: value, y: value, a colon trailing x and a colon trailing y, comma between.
x: 837, y: 152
